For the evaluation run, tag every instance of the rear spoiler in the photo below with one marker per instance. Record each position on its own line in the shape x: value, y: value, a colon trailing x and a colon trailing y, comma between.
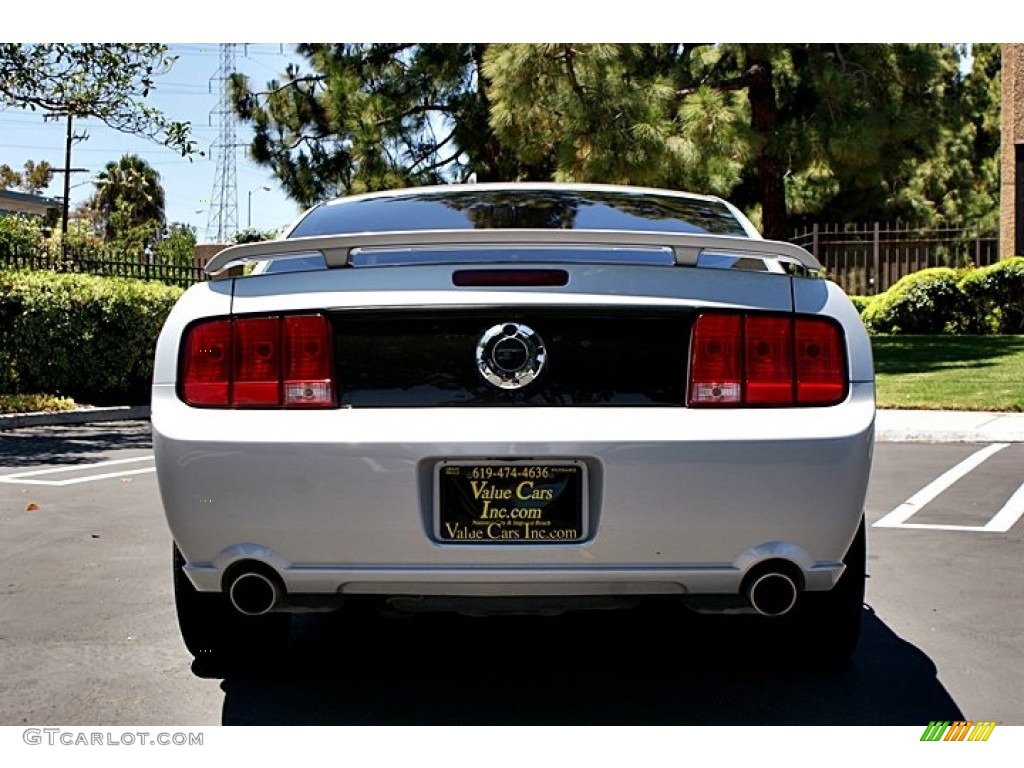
x: 687, y: 248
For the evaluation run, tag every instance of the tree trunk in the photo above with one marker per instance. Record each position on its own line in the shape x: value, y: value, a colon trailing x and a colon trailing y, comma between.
x: 764, y: 119
x: 489, y: 166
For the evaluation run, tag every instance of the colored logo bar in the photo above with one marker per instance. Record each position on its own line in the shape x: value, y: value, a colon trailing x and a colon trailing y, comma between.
x: 958, y: 730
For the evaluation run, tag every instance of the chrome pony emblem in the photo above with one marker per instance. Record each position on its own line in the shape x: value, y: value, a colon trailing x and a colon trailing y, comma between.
x: 510, y: 355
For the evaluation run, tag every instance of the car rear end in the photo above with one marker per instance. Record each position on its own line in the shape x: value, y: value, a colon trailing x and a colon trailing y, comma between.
x: 469, y: 418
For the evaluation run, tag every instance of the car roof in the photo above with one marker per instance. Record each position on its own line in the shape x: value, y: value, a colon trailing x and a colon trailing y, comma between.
x: 521, y: 186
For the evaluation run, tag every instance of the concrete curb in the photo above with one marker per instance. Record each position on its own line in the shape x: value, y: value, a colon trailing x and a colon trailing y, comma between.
x: 949, y: 427
x: 80, y: 416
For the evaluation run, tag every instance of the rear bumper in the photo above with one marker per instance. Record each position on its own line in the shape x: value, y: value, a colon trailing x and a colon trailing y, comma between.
x: 510, y: 582
x: 681, y: 501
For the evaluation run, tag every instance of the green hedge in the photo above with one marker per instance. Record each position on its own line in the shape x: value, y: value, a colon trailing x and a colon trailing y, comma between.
x: 91, y: 338
x: 20, y: 234
x: 941, y: 300
x: 929, y: 301
x: 995, y: 297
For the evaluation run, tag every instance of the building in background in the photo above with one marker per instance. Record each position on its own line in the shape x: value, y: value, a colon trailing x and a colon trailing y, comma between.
x: 28, y: 205
x: 1011, y: 197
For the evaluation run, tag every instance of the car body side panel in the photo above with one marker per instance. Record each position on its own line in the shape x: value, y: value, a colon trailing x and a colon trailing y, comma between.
x: 823, y: 297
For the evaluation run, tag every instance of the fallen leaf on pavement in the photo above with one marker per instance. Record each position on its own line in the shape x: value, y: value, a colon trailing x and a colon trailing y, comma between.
x: 31, y: 507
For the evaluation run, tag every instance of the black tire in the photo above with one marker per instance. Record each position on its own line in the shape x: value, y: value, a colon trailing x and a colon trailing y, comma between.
x: 824, y: 627
x: 220, y: 638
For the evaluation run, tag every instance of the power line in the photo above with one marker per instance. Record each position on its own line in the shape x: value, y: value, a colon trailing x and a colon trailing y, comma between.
x: 117, y: 151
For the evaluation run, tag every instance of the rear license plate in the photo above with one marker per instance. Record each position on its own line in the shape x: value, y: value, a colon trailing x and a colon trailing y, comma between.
x: 494, y: 502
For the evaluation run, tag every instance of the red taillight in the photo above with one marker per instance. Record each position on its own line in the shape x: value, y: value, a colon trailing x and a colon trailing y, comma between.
x: 820, y: 362
x: 716, y: 369
x: 307, y: 361
x: 206, y: 373
x: 256, y: 373
x: 258, y: 362
x: 768, y: 348
x: 765, y: 360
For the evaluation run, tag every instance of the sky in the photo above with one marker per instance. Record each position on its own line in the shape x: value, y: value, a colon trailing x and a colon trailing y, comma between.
x: 186, y: 93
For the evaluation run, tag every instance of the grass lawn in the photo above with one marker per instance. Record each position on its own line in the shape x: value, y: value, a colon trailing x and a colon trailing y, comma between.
x: 963, y: 373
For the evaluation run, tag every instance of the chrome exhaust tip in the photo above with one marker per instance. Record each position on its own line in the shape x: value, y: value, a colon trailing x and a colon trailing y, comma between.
x: 772, y: 594
x: 254, y: 594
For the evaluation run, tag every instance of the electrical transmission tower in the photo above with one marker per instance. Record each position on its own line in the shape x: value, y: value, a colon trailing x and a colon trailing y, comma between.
x: 222, y: 222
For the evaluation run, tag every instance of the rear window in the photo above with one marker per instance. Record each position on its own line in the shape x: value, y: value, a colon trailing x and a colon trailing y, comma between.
x: 523, y: 209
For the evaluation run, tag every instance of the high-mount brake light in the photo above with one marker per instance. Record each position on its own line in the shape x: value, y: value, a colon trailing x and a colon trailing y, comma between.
x: 259, y: 362
x: 509, y: 278
x: 760, y: 359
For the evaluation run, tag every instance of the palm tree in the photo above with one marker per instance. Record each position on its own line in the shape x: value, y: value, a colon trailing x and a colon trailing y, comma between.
x: 128, y: 194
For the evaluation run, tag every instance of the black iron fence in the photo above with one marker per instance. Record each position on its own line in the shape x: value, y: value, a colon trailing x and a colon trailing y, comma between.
x: 107, y: 265
x: 866, y: 259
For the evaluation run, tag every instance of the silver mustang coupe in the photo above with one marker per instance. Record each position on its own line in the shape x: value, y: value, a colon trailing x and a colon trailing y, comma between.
x: 521, y: 396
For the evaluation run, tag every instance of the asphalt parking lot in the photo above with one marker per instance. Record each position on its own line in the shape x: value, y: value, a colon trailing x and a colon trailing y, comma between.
x: 88, y: 634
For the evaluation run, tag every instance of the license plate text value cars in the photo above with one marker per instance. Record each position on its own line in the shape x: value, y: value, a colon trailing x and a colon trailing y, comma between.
x: 510, y: 502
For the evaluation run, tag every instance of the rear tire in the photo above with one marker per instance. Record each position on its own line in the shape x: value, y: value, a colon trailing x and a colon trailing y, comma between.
x: 220, y: 638
x: 825, y: 626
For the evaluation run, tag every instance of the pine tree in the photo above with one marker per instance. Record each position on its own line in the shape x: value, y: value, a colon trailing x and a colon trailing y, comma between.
x: 788, y: 132
x: 376, y: 116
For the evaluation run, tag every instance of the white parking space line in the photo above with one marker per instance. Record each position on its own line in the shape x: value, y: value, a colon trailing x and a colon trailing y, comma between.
x: 898, y: 517
x: 29, y: 477
x: 1011, y: 512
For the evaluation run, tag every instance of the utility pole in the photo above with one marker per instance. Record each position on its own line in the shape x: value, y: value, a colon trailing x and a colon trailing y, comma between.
x: 67, y: 185
x: 67, y: 170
